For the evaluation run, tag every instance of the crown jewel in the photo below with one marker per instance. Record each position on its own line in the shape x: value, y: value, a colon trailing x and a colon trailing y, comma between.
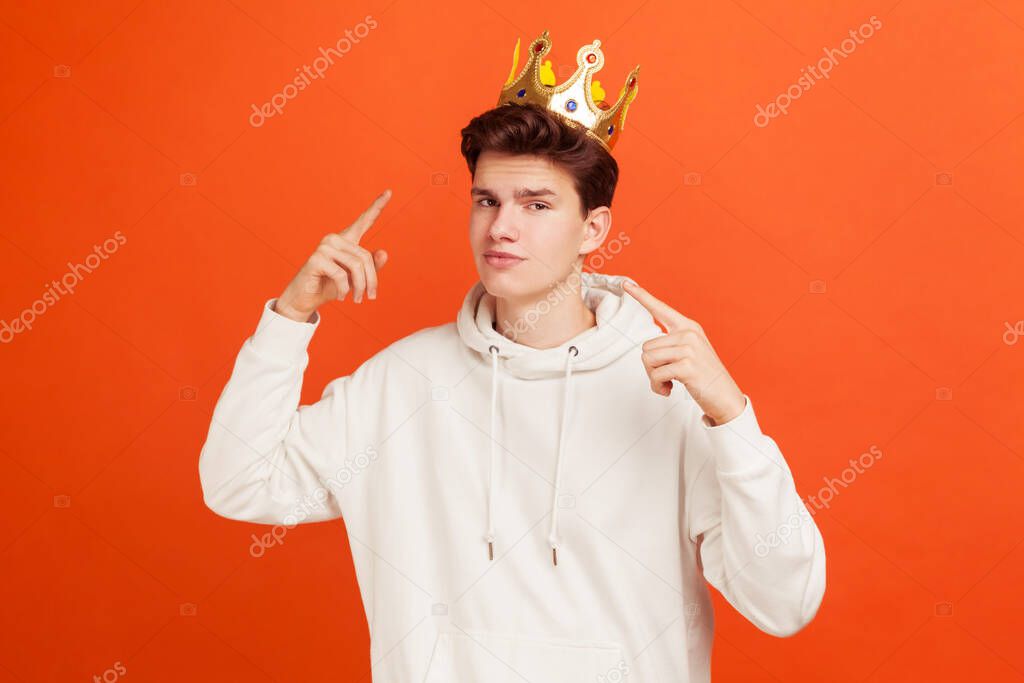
x: 580, y: 99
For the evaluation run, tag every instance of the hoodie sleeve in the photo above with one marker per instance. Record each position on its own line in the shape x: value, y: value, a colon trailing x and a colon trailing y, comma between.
x: 757, y: 542
x: 266, y: 459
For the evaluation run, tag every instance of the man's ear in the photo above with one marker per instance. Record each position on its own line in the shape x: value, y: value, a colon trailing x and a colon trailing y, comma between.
x: 595, y: 229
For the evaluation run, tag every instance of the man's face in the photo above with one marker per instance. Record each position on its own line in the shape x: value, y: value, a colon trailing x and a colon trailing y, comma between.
x: 526, y: 206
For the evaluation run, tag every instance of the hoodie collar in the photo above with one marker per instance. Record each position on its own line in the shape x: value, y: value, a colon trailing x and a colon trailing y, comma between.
x: 621, y: 324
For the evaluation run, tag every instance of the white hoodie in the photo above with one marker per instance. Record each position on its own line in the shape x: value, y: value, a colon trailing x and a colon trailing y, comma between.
x: 455, y: 436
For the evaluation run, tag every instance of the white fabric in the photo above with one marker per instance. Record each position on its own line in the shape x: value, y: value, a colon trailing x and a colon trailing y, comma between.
x: 455, y: 436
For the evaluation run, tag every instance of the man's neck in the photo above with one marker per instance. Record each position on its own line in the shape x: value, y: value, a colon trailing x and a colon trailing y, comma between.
x: 542, y: 323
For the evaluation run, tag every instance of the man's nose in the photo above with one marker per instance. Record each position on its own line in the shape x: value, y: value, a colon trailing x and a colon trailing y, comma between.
x: 502, y: 227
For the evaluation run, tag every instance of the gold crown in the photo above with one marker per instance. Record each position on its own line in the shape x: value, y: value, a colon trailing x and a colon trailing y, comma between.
x: 580, y: 100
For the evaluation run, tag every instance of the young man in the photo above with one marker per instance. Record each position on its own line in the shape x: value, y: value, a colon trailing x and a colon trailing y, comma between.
x: 540, y: 489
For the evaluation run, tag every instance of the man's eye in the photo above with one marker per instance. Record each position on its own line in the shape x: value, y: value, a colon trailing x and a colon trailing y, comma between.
x: 483, y: 202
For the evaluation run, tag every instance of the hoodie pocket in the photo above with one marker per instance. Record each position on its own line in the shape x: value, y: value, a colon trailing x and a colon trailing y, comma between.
x: 469, y: 656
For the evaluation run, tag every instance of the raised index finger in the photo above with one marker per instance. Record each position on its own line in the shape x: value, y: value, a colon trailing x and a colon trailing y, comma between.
x: 359, y: 227
x: 662, y: 312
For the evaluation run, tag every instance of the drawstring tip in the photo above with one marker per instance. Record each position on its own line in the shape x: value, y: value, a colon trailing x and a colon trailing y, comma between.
x: 554, y: 556
x: 490, y: 550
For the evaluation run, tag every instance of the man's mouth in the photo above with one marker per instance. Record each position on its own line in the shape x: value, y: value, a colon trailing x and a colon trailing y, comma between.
x: 502, y: 259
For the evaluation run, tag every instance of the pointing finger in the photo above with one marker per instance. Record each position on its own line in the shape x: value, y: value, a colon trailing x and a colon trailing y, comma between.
x: 359, y: 227
x: 662, y: 312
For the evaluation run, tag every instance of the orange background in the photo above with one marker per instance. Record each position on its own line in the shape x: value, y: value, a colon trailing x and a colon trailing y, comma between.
x: 855, y: 263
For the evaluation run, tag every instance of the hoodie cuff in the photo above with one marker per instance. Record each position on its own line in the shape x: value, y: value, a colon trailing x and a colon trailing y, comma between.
x: 282, y: 338
x: 739, y: 444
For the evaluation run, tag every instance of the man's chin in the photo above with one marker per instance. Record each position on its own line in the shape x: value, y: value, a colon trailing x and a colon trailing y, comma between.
x: 505, y: 284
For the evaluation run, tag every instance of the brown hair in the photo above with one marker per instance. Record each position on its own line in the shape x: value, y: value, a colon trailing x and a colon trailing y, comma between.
x: 513, y: 128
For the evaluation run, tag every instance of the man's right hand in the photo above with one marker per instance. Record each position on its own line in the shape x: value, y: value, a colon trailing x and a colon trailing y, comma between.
x: 338, y: 265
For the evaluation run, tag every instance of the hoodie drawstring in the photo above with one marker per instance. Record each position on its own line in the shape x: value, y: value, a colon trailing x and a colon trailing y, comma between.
x: 495, y: 470
x: 553, y: 535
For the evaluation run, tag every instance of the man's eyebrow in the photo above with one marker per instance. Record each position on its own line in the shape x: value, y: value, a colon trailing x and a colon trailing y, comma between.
x: 520, y: 193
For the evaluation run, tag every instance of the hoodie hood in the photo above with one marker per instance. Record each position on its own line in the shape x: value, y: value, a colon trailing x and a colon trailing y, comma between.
x: 622, y: 324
